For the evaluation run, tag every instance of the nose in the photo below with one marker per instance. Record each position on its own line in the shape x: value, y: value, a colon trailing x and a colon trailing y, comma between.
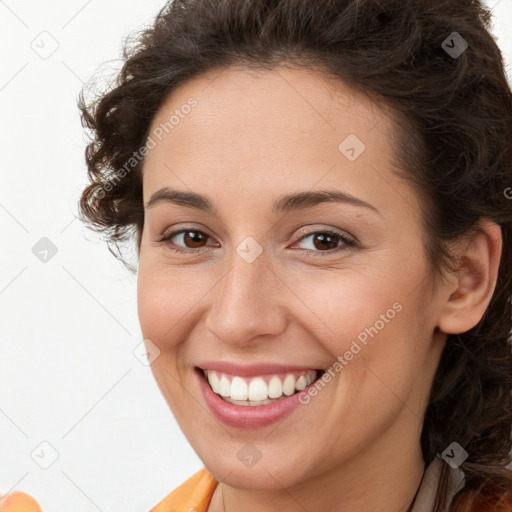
x: 248, y: 302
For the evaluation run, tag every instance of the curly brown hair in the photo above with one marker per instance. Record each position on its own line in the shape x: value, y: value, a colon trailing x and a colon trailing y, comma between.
x: 452, y: 115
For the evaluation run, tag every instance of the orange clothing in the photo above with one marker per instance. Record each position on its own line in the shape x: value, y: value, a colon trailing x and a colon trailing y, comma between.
x: 193, y: 495
x: 18, y: 502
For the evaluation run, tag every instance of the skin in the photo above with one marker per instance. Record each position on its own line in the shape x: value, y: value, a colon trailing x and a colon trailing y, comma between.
x: 252, y: 137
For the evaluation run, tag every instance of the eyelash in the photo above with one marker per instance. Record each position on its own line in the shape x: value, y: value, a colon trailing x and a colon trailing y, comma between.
x: 347, y: 242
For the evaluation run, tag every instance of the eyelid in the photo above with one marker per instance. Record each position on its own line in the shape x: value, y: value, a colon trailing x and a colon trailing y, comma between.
x: 302, y: 233
x: 349, y: 241
x: 166, y: 237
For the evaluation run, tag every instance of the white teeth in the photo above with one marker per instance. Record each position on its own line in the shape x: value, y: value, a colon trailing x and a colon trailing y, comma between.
x: 256, y: 391
x: 310, y: 377
x: 248, y: 402
x: 238, y: 389
x: 275, y: 388
x: 224, y: 386
x: 213, y: 379
x: 301, y: 383
x: 289, y: 385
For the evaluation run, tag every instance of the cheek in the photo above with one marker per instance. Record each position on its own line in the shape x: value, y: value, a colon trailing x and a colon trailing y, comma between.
x: 371, y: 320
x: 169, y: 301
x: 161, y: 303
x: 385, y: 359
x: 346, y: 306
x: 164, y: 304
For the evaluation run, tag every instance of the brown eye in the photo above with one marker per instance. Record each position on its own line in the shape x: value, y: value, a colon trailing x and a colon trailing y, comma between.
x: 190, y: 239
x: 327, y: 241
x: 194, y: 238
x: 324, y: 241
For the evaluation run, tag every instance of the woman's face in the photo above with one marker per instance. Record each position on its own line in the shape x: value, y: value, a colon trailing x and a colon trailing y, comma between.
x: 269, y: 286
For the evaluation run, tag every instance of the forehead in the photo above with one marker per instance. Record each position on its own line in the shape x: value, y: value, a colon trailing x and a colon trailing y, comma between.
x: 284, y: 126
x: 236, y: 98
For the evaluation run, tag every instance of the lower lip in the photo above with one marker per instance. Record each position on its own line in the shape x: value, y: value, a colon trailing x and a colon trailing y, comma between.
x: 246, y: 416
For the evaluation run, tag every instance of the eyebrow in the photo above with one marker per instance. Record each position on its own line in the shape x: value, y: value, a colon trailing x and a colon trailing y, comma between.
x: 283, y: 204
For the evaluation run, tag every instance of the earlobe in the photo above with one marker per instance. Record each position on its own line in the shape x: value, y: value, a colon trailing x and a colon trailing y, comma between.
x: 475, y: 280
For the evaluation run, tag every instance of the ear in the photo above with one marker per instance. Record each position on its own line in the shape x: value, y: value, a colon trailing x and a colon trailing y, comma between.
x: 470, y: 289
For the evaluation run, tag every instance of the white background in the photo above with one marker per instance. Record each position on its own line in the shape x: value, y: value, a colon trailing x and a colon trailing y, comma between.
x: 68, y: 327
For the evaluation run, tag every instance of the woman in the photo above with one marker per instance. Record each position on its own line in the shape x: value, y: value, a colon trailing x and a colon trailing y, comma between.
x: 318, y: 192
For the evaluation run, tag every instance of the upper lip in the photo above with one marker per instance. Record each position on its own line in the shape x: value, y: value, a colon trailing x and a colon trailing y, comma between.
x: 250, y: 370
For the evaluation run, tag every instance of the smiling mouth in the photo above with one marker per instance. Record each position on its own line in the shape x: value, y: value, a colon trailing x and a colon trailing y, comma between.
x: 258, y: 390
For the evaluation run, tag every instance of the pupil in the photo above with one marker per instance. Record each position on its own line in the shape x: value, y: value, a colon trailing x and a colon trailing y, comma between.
x: 325, y: 238
x: 194, y: 234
